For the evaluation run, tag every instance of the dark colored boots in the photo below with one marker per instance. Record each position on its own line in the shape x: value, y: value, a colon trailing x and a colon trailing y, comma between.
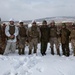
x: 21, y: 51
x: 34, y: 50
x: 74, y: 51
x: 52, y: 51
x: 30, y: 51
x: 67, y: 53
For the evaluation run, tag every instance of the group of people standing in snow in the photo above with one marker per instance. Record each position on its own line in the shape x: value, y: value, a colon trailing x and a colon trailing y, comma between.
x: 44, y: 34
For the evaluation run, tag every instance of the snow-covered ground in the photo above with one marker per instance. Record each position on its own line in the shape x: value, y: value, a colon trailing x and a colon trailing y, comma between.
x: 15, y: 64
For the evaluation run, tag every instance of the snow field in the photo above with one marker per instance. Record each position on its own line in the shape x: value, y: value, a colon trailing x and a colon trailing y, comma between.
x: 15, y: 64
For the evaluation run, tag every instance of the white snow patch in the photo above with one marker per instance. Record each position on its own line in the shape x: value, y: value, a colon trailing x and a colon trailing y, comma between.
x: 15, y: 64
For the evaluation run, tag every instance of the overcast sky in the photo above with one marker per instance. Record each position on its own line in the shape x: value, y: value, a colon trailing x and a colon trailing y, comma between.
x: 33, y: 9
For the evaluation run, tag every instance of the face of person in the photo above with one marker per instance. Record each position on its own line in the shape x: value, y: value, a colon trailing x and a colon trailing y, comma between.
x: 4, y: 25
x: 73, y: 27
x: 53, y: 24
x: 63, y: 26
x: 21, y: 23
x: 12, y: 22
x: 44, y: 23
x: 33, y: 24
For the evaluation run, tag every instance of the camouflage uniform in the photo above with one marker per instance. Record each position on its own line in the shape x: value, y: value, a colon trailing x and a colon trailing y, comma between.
x: 65, y: 33
x: 4, y: 37
x: 33, y: 36
x: 72, y: 38
x: 3, y: 33
x: 44, y: 37
x: 54, y: 39
x: 22, y: 38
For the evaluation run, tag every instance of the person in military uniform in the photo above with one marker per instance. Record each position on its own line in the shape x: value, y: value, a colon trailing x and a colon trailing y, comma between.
x: 3, y: 33
x: 11, y: 31
x: 53, y: 35
x: 4, y: 38
x: 33, y: 36
x: 64, y: 34
x: 72, y: 38
x: 22, y: 37
x: 44, y: 37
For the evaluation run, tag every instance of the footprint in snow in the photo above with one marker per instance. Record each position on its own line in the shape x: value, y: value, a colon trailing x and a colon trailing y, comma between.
x: 40, y: 69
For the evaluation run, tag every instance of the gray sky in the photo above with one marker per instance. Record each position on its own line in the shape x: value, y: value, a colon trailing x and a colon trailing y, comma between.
x: 33, y: 9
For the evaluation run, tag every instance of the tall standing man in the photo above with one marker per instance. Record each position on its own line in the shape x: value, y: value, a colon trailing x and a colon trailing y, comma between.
x: 65, y: 33
x: 4, y: 38
x: 33, y: 36
x: 72, y: 38
x: 22, y: 37
x: 54, y: 38
x: 11, y: 32
x: 44, y: 37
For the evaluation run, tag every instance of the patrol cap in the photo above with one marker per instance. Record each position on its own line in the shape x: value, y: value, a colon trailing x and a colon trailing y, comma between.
x: 53, y: 21
x: 3, y: 23
x: 33, y: 22
x: 63, y: 24
x: 20, y: 21
x: 44, y: 22
x: 11, y: 19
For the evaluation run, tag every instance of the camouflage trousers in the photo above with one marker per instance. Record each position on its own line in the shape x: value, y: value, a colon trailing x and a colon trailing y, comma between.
x: 2, y: 46
x: 73, y: 45
x: 22, y: 41
x: 54, y: 40
x: 33, y: 44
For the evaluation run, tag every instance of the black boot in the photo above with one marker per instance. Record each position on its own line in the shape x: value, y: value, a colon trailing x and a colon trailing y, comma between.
x: 52, y: 51
x: 30, y: 51
x: 67, y: 53
x: 23, y: 51
x: 19, y: 52
x: 74, y: 51
x: 34, y: 50
x: 63, y: 50
x: 42, y: 54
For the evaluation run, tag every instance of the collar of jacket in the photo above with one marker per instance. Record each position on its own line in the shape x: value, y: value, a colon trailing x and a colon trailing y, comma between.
x: 11, y: 25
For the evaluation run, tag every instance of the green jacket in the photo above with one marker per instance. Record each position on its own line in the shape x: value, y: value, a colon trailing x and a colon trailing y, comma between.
x: 44, y: 33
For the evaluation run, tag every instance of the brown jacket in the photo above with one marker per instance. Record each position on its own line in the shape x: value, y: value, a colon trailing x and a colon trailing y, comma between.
x: 33, y: 32
x: 53, y: 31
x: 72, y: 35
x: 22, y: 31
x: 64, y: 33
